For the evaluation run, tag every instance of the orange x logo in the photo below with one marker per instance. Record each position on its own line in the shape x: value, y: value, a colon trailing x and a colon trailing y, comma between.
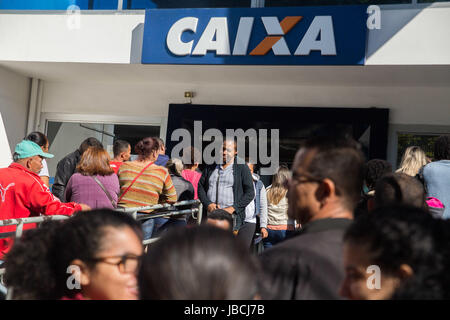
x: 275, y: 34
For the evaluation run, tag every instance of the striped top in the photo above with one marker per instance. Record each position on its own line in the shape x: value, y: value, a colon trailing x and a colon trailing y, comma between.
x: 152, y: 187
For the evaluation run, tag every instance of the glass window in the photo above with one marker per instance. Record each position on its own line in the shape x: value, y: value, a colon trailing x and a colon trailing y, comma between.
x: 65, y: 137
x: 422, y: 140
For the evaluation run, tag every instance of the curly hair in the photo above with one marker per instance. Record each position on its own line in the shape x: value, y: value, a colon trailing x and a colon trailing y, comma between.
x: 36, y: 266
x: 146, y: 147
x: 397, y: 235
x: 374, y: 169
x: 434, y: 285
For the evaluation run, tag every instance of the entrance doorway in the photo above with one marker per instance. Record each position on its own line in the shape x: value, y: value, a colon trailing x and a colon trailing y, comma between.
x: 66, y: 137
x: 369, y: 126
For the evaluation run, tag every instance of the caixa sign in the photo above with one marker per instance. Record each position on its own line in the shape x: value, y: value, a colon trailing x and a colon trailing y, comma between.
x: 263, y: 36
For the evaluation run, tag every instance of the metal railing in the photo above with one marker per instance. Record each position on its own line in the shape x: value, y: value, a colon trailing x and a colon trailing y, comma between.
x: 20, y: 222
x: 164, y: 211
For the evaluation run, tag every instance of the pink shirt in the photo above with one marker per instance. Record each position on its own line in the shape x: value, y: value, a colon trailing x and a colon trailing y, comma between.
x: 193, y: 177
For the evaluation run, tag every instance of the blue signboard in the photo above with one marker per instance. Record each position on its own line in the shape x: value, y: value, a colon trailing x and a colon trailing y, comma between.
x: 329, y: 35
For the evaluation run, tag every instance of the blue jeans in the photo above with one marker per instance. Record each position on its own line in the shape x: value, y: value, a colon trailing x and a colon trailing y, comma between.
x: 147, y: 228
x: 276, y: 236
x: 164, y: 224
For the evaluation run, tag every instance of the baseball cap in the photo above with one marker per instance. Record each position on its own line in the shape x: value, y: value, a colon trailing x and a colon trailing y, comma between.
x: 27, y: 149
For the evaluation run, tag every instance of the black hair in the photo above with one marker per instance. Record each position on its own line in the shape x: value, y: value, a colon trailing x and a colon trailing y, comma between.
x: 36, y: 266
x: 220, y: 214
x: 396, y: 235
x: 89, y: 142
x: 119, y: 147
x: 397, y: 188
x: 339, y: 159
x: 146, y: 146
x: 423, y: 287
x: 432, y: 285
x: 37, y: 137
x: 198, y: 263
x: 442, y: 148
x: 373, y: 171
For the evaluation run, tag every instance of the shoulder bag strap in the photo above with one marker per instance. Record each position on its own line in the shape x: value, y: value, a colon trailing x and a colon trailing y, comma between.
x: 105, y: 191
x: 140, y: 173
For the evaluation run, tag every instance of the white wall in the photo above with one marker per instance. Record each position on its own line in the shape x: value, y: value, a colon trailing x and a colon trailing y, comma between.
x: 14, y: 97
x: 408, y: 104
x: 54, y: 36
x: 411, y: 36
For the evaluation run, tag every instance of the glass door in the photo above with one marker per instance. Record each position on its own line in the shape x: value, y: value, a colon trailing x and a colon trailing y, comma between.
x: 66, y: 137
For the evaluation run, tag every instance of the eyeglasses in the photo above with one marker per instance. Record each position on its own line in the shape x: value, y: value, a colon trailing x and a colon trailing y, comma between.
x: 128, y: 263
x: 298, y: 178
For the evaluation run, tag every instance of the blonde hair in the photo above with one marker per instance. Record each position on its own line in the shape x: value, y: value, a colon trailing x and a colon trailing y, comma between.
x: 413, y: 159
x: 278, y: 189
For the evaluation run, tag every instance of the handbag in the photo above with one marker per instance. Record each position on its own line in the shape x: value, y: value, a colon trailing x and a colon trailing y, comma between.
x: 114, y: 204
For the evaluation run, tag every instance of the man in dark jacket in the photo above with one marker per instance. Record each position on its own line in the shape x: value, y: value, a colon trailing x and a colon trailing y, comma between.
x: 326, y: 182
x: 67, y: 165
x: 228, y: 186
x: 162, y: 157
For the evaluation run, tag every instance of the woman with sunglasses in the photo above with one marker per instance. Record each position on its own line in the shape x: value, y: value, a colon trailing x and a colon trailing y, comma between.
x: 92, y: 256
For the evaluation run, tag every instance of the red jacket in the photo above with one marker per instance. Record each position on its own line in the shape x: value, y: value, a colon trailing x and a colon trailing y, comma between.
x: 22, y: 195
x: 115, y: 165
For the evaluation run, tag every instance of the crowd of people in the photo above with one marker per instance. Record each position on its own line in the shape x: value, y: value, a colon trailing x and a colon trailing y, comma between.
x: 333, y: 226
